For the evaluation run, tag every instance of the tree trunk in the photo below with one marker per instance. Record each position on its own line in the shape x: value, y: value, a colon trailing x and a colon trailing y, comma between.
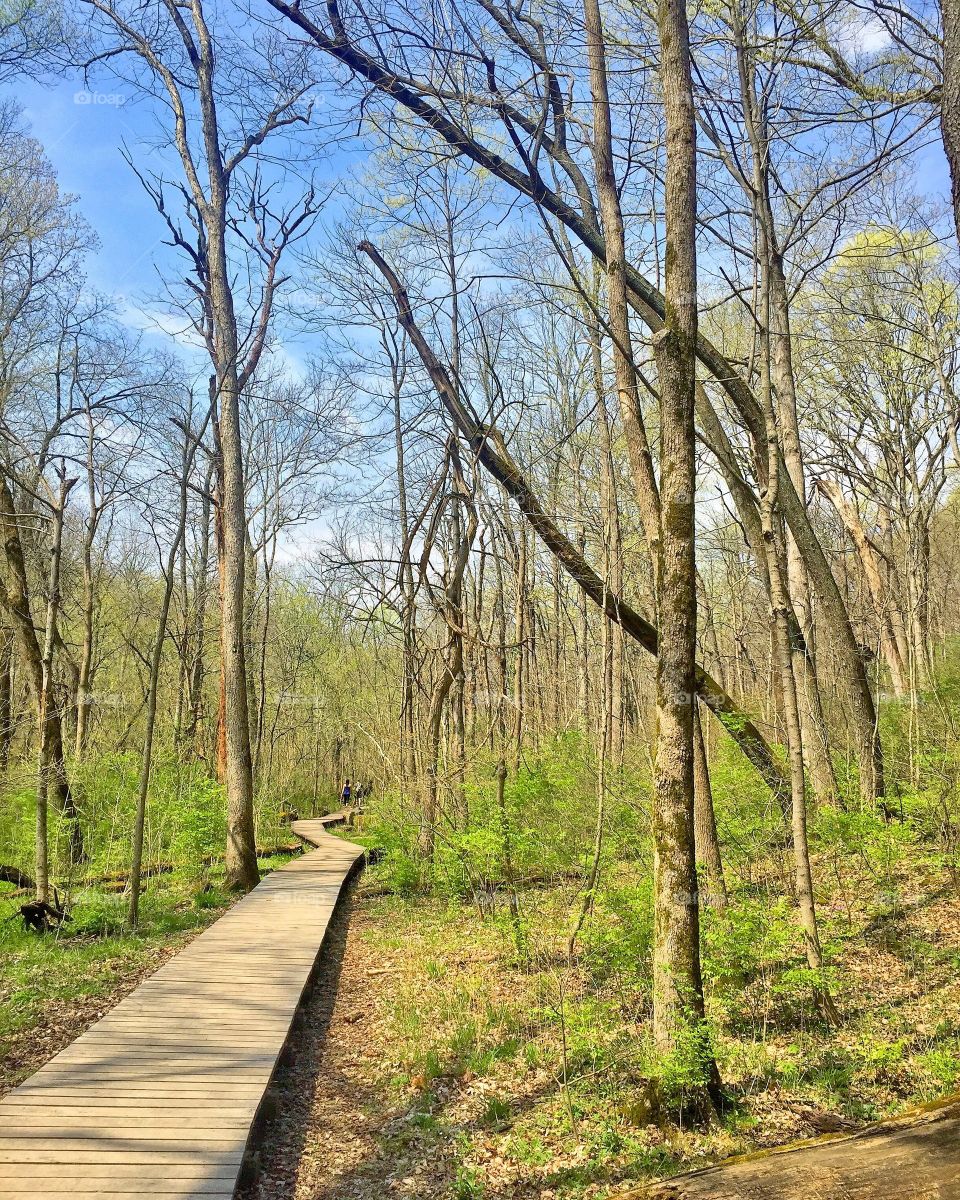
x: 241, y: 851
x: 784, y: 667
x: 200, y: 592
x: 85, y: 669
x: 452, y: 665
x: 520, y: 634
x: 704, y: 819
x: 408, y: 616
x: 950, y: 99
x: 678, y: 1006
x: 6, y: 695
x: 628, y: 393
x: 604, y: 743
x: 614, y: 542
x: 52, y: 771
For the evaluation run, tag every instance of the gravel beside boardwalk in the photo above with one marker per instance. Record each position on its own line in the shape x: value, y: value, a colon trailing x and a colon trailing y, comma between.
x: 159, y: 1097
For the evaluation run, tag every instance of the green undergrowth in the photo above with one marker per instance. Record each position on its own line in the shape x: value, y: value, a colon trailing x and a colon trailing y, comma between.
x: 523, y: 1070
x: 185, y: 828
x: 520, y: 1070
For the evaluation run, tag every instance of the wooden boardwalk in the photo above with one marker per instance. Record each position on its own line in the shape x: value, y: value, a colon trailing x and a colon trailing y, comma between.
x: 159, y: 1097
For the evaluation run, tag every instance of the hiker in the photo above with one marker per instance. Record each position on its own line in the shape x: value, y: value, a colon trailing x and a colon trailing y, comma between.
x: 346, y: 794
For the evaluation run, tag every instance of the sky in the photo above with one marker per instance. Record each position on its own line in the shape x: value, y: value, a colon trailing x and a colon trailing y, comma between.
x: 83, y: 128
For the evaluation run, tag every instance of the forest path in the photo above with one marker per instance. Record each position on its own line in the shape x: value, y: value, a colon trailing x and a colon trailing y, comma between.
x: 160, y: 1096
x: 913, y: 1157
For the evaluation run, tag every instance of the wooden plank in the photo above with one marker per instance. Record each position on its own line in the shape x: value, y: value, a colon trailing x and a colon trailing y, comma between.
x: 123, y: 1173
x: 201, y: 1187
x: 158, y: 1098
x: 130, y: 1092
x: 207, y: 1116
x: 123, y: 1137
x: 93, y: 1156
x: 56, y: 1116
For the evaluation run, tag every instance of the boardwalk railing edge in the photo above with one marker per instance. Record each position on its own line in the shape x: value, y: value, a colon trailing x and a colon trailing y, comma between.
x: 312, y: 831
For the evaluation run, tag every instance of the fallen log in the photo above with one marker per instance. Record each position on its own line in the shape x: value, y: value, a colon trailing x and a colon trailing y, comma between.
x: 19, y: 879
x: 915, y: 1156
x: 115, y: 879
x: 273, y: 851
x: 119, y: 879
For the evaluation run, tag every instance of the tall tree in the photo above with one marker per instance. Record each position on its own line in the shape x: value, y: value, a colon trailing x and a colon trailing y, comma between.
x: 223, y: 103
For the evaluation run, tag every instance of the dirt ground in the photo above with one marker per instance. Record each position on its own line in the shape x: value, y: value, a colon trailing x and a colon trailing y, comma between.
x: 335, y: 1134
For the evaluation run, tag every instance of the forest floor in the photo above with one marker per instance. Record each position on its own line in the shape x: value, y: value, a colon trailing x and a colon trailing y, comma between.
x: 434, y: 1061
x: 452, y: 1051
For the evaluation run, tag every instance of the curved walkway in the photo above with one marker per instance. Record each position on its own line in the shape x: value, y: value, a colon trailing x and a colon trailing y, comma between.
x: 160, y: 1096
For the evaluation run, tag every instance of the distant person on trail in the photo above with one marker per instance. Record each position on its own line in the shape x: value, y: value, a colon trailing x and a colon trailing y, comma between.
x: 346, y: 794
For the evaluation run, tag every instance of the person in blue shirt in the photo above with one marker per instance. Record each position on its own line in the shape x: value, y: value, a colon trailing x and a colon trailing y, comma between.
x: 346, y: 794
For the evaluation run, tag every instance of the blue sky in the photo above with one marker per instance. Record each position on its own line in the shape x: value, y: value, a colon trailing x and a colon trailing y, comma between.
x: 83, y: 141
x: 82, y: 128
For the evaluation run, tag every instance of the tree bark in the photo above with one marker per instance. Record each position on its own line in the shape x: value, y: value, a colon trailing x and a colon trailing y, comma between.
x: 950, y: 99
x: 704, y: 818
x: 6, y: 695
x: 678, y: 1005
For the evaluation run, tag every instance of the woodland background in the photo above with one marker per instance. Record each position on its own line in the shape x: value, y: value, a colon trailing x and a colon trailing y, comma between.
x: 234, y: 576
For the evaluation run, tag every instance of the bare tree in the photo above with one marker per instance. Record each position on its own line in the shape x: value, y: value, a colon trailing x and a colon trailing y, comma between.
x: 224, y: 219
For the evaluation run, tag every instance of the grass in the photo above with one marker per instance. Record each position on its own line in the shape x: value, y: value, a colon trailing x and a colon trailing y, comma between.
x: 539, y: 1071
